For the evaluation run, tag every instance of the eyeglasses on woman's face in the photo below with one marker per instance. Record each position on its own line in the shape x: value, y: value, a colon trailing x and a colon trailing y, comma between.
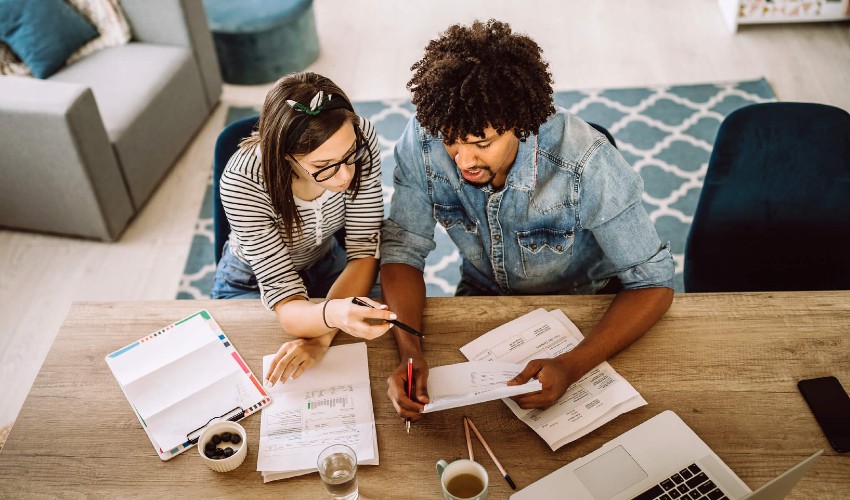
x: 356, y: 152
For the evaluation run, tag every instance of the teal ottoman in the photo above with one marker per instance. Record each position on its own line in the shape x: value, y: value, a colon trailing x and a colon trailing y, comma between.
x: 258, y: 41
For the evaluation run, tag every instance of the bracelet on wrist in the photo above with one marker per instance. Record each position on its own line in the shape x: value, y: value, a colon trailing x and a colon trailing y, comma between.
x: 324, y: 319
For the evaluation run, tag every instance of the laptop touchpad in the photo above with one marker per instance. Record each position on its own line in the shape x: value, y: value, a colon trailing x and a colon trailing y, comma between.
x: 610, y: 474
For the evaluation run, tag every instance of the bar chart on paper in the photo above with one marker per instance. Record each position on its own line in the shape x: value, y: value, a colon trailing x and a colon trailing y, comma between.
x: 335, y: 397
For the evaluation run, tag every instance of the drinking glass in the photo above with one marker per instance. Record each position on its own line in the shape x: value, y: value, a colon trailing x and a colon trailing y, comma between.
x: 338, y: 468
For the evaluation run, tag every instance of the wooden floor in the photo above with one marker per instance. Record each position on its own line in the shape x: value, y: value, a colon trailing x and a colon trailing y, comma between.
x: 367, y: 48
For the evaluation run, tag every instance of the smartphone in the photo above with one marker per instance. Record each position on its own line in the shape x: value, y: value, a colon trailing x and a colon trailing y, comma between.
x: 831, y: 406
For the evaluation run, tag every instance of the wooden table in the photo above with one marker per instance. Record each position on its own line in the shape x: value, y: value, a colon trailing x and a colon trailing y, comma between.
x: 728, y: 364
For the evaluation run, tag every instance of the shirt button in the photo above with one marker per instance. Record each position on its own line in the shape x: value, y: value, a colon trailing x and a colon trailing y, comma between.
x: 469, y: 227
x: 559, y: 248
x: 534, y: 246
x: 446, y: 222
x: 497, y: 237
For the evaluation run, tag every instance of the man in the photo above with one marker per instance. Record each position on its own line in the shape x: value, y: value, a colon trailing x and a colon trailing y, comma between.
x: 537, y: 201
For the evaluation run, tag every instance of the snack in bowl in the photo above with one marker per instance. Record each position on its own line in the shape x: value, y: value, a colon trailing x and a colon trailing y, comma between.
x: 223, y: 446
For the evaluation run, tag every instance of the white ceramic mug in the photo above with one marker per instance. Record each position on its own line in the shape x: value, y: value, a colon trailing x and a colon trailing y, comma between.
x: 449, y: 471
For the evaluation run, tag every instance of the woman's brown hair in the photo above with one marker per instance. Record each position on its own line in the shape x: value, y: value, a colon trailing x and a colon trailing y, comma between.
x: 279, y: 120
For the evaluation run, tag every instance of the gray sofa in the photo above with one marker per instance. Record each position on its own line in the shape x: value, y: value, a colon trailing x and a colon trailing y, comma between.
x: 82, y: 151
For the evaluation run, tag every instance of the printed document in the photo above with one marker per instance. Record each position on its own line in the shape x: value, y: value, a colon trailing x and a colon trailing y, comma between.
x: 331, y: 403
x: 463, y: 384
x: 594, y: 400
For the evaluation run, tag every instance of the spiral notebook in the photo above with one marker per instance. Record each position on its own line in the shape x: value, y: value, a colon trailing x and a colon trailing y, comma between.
x: 184, y: 377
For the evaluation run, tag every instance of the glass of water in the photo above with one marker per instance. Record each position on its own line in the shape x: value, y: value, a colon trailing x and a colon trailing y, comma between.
x: 338, y: 467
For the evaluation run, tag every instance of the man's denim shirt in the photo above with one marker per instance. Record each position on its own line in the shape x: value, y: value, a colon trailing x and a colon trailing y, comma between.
x: 568, y: 218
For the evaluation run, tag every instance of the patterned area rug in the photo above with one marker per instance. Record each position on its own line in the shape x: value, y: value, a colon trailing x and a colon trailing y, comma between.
x: 665, y: 133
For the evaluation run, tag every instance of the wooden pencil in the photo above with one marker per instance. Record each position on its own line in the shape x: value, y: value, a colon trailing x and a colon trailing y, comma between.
x: 468, y: 439
x: 490, y: 452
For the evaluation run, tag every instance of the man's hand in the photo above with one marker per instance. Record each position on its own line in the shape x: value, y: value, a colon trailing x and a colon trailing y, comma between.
x: 553, y: 374
x: 296, y: 356
x: 397, y: 389
x: 630, y: 315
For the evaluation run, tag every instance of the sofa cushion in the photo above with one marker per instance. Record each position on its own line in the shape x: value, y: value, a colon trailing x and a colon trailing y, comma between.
x: 108, y: 17
x: 152, y: 102
x: 125, y: 79
x: 10, y: 64
x: 44, y: 33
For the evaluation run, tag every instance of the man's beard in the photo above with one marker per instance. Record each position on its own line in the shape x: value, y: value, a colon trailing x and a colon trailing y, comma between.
x: 482, y: 183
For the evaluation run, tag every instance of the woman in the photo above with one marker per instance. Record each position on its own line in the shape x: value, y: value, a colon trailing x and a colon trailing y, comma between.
x: 311, y: 169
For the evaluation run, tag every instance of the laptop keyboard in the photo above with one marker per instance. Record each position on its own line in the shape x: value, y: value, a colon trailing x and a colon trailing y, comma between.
x: 690, y: 483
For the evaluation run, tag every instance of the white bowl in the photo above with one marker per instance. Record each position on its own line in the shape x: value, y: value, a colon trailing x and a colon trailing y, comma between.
x: 240, y: 450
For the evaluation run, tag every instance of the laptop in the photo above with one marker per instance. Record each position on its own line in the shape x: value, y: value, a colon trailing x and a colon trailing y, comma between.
x: 661, y: 458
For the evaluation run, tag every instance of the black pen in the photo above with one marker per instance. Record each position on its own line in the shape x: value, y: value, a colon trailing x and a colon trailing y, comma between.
x: 408, y: 329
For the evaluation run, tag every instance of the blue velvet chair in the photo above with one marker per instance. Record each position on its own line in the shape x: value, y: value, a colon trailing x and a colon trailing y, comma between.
x: 226, y: 144
x: 774, y: 212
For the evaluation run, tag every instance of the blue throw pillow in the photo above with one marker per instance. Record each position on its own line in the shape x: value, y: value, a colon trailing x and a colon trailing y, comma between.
x: 43, y: 33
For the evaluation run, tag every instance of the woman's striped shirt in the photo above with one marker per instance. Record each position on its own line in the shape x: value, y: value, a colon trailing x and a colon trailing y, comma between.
x: 258, y: 236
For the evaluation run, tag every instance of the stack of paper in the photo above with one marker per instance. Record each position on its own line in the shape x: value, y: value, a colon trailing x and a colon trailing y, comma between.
x: 331, y: 403
x: 596, y: 399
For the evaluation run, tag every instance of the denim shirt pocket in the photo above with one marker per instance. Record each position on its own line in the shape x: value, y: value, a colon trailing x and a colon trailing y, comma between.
x: 462, y: 229
x: 542, y: 251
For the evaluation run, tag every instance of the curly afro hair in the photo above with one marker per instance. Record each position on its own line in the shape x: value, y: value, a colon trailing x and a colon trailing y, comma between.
x: 479, y: 76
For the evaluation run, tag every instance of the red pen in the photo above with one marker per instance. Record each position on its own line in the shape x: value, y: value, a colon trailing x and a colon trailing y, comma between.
x: 409, y: 389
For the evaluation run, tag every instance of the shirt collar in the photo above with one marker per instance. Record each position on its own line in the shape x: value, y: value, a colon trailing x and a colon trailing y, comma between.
x: 523, y: 174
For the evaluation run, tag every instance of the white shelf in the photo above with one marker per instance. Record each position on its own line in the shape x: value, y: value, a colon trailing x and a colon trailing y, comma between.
x: 737, y: 12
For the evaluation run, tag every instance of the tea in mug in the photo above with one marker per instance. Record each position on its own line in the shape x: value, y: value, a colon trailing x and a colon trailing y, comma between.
x: 465, y: 485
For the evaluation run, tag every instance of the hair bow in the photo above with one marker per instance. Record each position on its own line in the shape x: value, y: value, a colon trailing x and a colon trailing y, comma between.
x: 319, y: 100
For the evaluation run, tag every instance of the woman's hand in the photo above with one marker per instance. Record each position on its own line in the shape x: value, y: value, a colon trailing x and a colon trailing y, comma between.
x: 294, y: 357
x: 358, y: 321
